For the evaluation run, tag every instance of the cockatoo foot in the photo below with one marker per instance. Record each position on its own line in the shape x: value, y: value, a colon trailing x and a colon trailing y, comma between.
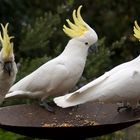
x: 74, y: 108
x: 136, y: 110
x: 47, y: 106
x: 126, y: 108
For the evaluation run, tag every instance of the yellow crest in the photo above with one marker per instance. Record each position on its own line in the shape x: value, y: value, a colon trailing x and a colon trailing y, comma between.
x: 7, y: 46
x: 77, y: 28
x: 137, y: 31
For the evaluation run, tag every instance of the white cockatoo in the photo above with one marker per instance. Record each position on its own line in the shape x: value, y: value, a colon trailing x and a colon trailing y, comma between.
x: 8, y: 69
x: 59, y: 75
x: 121, y: 84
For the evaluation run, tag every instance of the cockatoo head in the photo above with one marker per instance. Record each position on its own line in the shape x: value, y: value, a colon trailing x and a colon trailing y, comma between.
x: 80, y: 30
x: 6, y: 54
x: 137, y: 30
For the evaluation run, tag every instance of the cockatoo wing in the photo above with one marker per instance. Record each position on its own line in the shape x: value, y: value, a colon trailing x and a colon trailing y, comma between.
x: 107, y: 74
x: 48, y: 77
x: 116, y: 85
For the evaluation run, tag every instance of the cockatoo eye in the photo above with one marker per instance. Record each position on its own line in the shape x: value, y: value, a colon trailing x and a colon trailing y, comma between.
x: 86, y: 43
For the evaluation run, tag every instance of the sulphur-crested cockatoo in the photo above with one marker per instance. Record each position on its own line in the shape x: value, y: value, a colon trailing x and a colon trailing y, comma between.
x: 121, y: 84
x: 8, y: 69
x: 59, y: 75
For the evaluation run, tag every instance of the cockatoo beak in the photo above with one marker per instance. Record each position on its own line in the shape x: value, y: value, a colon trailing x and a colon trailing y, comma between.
x: 93, y: 48
x: 8, y: 67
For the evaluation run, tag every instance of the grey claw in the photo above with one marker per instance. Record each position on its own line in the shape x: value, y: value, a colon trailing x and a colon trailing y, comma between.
x: 47, y: 106
x: 126, y: 108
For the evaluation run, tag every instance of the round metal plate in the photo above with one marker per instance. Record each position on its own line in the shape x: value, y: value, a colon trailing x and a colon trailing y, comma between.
x: 84, y: 121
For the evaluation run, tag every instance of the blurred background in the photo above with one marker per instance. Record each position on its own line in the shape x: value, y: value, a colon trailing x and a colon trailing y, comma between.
x: 37, y: 27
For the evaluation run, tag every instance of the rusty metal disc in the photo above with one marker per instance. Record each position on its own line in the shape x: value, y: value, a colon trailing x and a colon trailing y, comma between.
x: 84, y: 121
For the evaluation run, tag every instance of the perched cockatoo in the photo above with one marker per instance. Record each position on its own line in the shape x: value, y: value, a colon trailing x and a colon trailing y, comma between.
x: 121, y: 84
x: 59, y: 75
x: 8, y: 69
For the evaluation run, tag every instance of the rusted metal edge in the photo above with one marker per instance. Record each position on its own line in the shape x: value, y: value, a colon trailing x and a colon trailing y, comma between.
x: 68, y: 132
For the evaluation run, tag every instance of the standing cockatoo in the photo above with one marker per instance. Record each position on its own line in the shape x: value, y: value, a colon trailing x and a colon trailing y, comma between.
x: 121, y: 84
x: 8, y: 69
x: 58, y: 76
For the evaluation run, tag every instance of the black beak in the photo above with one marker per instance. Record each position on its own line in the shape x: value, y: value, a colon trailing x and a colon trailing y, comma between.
x: 7, y: 67
x: 93, y: 49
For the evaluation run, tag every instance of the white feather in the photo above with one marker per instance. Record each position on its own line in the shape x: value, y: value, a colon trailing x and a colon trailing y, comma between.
x: 59, y: 75
x: 122, y: 83
x: 55, y: 77
x: 6, y: 80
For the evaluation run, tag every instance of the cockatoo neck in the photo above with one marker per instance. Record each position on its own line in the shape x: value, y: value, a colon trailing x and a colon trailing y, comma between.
x: 75, y: 48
